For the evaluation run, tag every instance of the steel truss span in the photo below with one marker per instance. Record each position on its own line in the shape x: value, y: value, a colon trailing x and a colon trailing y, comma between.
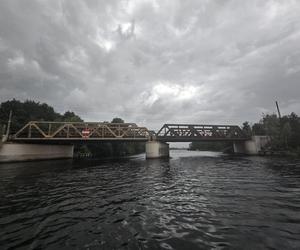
x: 48, y: 132
x: 81, y: 131
x: 192, y: 132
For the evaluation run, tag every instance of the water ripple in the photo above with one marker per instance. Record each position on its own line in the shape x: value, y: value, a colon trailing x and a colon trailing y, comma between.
x: 192, y: 201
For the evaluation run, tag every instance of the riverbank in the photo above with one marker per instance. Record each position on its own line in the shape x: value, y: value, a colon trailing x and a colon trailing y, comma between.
x: 281, y: 153
x: 269, y: 152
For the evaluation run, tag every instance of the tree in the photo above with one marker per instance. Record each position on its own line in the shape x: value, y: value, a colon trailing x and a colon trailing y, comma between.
x: 258, y: 129
x: 247, y: 129
x: 294, y: 122
x: 273, y: 130
x: 286, y: 134
x: 26, y: 111
x: 23, y: 112
x: 117, y: 120
x: 272, y: 125
x: 71, y: 117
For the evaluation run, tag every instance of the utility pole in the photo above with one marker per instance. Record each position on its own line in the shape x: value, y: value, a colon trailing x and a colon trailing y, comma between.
x: 278, y: 110
x: 8, y: 127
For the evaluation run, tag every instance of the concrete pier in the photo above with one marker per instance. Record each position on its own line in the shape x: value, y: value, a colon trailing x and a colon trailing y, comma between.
x: 10, y: 152
x: 251, y: 147
x: 156, y: 149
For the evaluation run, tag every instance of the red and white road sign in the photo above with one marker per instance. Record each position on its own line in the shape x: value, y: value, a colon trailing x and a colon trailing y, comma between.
x: 85, y: 132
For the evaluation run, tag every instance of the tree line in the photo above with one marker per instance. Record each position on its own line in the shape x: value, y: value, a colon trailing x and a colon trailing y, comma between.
x: 29, y: 110
x: 284, y: 134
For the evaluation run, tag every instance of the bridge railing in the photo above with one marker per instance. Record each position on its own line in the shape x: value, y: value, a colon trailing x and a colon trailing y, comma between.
x: 36, y: 130
x: 195, y: 132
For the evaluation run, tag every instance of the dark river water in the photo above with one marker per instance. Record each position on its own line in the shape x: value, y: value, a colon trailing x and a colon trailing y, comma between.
x: 195, y: 200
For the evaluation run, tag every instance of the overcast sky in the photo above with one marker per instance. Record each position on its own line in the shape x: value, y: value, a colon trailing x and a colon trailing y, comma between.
x: 153, y: 62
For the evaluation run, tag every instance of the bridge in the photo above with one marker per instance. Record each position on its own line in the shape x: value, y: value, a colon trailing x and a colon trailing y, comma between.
x: 70, y: 132
x: 56, y: 139
x: 46, y: 132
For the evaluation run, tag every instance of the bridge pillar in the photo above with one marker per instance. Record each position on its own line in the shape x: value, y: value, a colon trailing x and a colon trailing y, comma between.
x: 251, y: 147
x: 10, y: 152
x: 156, y: 149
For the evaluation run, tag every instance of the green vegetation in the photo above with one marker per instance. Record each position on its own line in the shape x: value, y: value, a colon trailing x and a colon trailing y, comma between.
x: 284, y: 134
x: 23, y: 112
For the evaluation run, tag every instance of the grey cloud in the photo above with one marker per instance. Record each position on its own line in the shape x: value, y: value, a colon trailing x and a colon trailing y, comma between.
x: 152, y: 62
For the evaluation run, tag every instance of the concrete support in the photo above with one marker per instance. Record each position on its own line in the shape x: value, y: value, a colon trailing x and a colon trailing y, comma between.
x: 251, y: 147
x: 156, y: 149
x: 10, y: 152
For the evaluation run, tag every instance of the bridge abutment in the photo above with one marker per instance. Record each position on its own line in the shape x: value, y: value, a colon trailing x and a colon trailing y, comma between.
x: 251, y: 147
x: 10, y: 152
x: 157, y: 149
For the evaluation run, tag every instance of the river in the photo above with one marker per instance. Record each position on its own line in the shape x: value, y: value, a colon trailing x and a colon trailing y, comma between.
x: 195, y: 200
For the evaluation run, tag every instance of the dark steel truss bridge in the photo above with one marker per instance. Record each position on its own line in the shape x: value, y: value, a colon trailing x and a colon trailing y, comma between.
x: 64, y: 132
x: 194, y: 132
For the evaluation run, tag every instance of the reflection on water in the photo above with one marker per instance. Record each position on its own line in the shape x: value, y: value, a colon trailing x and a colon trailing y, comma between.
x: 195, y: 200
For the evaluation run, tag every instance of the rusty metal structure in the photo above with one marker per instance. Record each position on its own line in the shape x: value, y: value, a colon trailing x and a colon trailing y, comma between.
x: 70, y: 132
x: 192, y: 132
x: 80, y: 131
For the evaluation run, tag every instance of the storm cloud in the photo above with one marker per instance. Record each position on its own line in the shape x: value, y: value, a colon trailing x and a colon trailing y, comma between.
x: 153, y: 62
